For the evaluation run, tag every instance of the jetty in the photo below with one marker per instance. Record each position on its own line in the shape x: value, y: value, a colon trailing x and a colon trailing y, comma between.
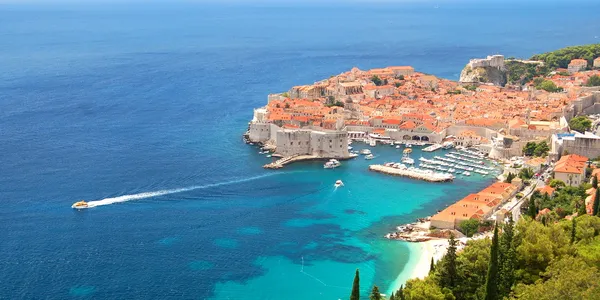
x: 280, y: 163
x: 413, y: 173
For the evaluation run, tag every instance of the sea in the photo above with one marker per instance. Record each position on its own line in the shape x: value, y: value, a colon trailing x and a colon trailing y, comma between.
x: 140, y: 107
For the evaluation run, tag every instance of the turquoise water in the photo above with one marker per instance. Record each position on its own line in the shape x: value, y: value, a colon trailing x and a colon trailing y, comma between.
x: 142, y: 108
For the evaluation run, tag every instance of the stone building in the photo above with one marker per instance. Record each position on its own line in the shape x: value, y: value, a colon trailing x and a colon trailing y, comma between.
x: 577, y: 65
x: 597, y: 62
x: 494, y: 61
x: 571, y: 169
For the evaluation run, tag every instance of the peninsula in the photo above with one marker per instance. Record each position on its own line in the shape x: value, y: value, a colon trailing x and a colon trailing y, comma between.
x: 397, y: 103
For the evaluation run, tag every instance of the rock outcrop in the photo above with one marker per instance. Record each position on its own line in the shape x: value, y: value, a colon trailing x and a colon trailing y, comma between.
x: 494, y: 75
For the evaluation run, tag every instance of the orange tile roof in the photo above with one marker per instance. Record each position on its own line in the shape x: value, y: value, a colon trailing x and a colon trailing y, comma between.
x: 572, y: 164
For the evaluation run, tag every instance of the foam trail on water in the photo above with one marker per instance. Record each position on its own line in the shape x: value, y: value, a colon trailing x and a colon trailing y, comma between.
x: 125, y: 198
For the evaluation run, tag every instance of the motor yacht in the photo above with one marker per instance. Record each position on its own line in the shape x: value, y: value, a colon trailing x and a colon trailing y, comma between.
x: 80, y: 205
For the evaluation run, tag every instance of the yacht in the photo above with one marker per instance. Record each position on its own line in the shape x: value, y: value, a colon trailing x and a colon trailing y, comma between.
x: 80, y: 205
x: 365, y: 151
x: 332, y: 163
x: 407, y: 160
x: 369, y: 156
x: 451, y: 170
x: 466, y: 173
x: 339, y: 183
x: 397, y: 146
x: 447, y: 145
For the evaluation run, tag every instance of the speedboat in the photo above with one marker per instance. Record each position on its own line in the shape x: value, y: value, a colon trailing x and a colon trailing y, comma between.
x: 365, y: 151
x: 339, y: 183
x: 466, y: 173
x: 397, y: 146
x: 369, y: 156
x: 80, y: 205
x: 332, y: 163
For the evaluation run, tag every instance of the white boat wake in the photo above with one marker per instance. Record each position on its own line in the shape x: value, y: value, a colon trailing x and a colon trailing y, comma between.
x: 125, y: 198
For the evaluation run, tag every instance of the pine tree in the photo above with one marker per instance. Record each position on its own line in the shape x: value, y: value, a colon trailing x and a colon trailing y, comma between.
x: 448, y: 273
x: 491, y: 284
x: 573, y: 230
x: 392, y: 297
x: 507, y: 259
x: 432, y: 266
x: 355, y: 287
x: 596, y: 203
x: 595, y: 182
x: 375, y: 294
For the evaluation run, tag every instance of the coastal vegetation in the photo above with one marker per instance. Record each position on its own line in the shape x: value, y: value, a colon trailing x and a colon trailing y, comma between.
x: 526, y: 260
x: 580, y: 124
x: 521, y: 73
x: 562, y: 57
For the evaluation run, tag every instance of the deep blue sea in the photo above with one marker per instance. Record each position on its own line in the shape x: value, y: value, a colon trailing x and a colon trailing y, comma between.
x: 143, y: 105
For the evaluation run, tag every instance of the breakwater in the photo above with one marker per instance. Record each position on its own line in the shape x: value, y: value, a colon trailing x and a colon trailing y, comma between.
x: 412, y: 173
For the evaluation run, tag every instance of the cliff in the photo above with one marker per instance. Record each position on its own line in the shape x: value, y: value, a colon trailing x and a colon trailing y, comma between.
x: 494, y: 75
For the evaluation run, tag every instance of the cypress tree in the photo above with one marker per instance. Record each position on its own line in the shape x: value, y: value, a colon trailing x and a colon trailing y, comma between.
x: 595, y: 182
x: 375, y: 294
x: 491, y: 284
x: 400, y: 293
x: 531, y: 210
x: 432, y: 266
x: 355, y: 287
x: 596, y: 203
x: 448, y: 273
x: 507, y: 259
x: 392, y: 297
x: 573, y: 230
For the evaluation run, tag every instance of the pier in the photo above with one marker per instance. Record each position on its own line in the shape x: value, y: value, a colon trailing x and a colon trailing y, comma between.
x: 280, y: 163
x: 412, y: 173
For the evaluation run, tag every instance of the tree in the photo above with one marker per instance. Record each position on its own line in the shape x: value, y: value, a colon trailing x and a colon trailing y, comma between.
x: 555, y: 183
x: 548, y: 86
x: 423, y: 289
x: 595, y: 182
x: 596, y: 205
x: 400, y: 77
x: 469, y: 227
x: 573, y: 231
x: 532, y: 208
x: 392, y: 297
x: 507, y: 259
x: 566, y: 278
x: 509, y: 177
x: 375, y: 294
x: 526, y: 173
x: 448, y: 273
x: 472, y: 265
x: 491, y: 284
x: 529, y: 148
x: 580, y: 124
x: 541, y: 149
x: 355, y: 295
x: 400, y: 293
x: 376, y: 80
x: 594, y: 80
x: 432, y: 266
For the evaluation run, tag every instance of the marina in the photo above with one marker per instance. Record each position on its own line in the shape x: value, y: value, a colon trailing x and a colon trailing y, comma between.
x: 432, y: 148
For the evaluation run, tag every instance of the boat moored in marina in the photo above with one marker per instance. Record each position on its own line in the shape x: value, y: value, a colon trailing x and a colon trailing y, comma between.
x: 369, y: 156
x: 466, y: 173
x: 365, y: 151
x: 331, y: 164
x: 80, y: 205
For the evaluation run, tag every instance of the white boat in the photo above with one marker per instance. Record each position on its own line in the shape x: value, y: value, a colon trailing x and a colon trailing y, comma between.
x: 408, y: 160
x: 339, y: 183
x: 448, y: 145
x: 332, y: 163
x: 466, y: 173
x: 408, y: 145
x: 349, y: 148
x: 365, y: 151
x: 451, y: 170
x: 80, y: 205
x: 397, y: 146
x: 372, y: 143
x: 269, y: 155
x: 369, y: 156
